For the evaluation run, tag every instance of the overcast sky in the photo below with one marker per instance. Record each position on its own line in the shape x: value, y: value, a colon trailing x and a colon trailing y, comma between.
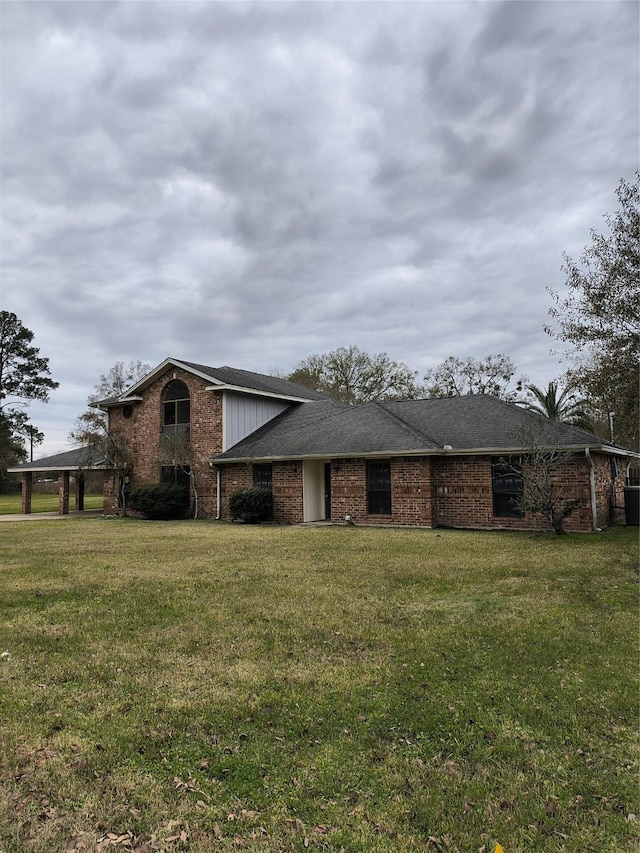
x: 250, y: 183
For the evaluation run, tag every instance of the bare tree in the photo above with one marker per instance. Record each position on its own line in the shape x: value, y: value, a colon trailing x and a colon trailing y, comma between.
x: 460, y: 376
x: 91, y: 425
x: 175, y: 451
x: 540, y: 465
x: 353, y: 376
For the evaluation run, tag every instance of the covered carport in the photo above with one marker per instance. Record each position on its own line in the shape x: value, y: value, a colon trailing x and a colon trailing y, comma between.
x: 62, y: 465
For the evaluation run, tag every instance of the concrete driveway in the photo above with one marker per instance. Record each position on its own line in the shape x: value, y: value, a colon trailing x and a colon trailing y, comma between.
x: 50, y: 516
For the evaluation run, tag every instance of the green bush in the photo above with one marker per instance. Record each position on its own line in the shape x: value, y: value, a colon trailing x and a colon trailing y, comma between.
x: 251, y: 505
x: 160, y: 501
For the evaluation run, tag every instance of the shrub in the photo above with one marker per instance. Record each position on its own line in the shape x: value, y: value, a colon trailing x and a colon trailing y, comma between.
x: 251, y: 505
x: 160, y: 500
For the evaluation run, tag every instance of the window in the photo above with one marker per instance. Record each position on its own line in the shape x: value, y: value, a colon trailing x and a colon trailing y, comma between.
x: 263, y: 476
x: 172, y: 475
x: 176, y: 410
x: 507, y: 487
x: 379, y: 487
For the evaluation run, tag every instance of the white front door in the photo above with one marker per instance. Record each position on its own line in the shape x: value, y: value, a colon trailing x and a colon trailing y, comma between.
x: 313, y: 491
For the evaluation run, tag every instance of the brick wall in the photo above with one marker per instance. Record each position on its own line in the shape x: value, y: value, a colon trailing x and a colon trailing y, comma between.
x: 411, y: 492
x: 110, y: 493
x: 287, y: 492
x: 464, y: 494
x: 143, y: 430
x: 427, y: 491
x: 609, y: 488
x: 287, y: 489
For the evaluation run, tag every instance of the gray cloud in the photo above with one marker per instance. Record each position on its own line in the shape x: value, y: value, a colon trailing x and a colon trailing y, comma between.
x: 248, y: 183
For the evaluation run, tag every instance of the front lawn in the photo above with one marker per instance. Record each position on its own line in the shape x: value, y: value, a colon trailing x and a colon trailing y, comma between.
x: 12, y: 504
x: 197, y: 686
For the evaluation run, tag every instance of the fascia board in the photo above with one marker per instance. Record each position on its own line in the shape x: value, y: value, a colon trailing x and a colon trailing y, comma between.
x: 439, y: 453
x: 157, y: 371
x: 131, y: 397
x: 99, y: 466
x: 616, y: 451
x: 239, y: 389
x: 115, y: 403
x: 142, y: 383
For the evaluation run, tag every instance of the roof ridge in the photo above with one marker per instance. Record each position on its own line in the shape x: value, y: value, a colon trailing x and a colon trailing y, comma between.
x: 411, y: 429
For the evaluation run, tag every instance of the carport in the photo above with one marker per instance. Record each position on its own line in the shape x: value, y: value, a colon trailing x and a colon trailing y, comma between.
x: 63, y: 465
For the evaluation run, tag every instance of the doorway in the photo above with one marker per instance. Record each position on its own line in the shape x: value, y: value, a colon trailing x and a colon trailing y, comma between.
x: 316, y: 490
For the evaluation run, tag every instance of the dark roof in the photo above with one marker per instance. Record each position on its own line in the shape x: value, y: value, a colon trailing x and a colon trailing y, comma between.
x: 256, y: 381
x: 229, y: 376
x: 484, y: 421
x: 68, y: 460
x: 330, y: 429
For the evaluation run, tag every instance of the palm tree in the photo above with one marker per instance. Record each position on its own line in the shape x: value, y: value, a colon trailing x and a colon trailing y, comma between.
x: 562, y: 407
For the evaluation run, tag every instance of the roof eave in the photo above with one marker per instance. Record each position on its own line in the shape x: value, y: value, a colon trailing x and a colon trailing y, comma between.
x: 112, y: 404
x: 240, y: 389
x: 437, y: 452
x: 160, y: 369
x: 42, y: 469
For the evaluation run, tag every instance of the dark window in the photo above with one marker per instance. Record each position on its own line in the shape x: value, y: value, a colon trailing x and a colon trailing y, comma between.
x: 127, y: 411
x: 507, y: 487
x: 263, y: 476
x: 176, y: 409
x: 174, y: 475
x: 379, y: 488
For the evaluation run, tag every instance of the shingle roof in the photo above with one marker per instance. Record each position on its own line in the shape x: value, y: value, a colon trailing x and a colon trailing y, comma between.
x: 225, y: 376
x: 68, y: 460
x: 256, y: 381
x: 483, y: 421
x: 330, y: 429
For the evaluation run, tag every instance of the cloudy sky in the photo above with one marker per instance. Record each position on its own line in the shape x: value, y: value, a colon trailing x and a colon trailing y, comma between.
x: 248, y: 183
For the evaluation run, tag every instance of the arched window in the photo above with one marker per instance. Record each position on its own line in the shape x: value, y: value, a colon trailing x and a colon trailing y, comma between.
x: 176, y: 409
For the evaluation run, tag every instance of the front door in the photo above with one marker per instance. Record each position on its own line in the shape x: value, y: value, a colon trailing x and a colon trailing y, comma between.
x: 313, y: 490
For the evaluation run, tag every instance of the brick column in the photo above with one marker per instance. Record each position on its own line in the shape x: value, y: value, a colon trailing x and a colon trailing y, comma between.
x: 27, y: 490
x: 79, y: 491
x: 63, y: 494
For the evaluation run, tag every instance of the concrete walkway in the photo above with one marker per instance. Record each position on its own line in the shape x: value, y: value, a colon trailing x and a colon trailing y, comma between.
x: 50, y: 516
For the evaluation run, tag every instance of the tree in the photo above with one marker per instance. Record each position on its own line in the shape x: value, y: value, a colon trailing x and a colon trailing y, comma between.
x: 11, y: 450
x: 600, y: 316
x: 540, y: 467
x: 24, y: 376
x: 174, y: 451
x: 461, y: 376
x: 353, y: 376
x: 91, y: 425
x: 561, y: 406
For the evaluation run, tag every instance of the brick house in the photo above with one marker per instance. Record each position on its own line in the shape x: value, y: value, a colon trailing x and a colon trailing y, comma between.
x: 437, y: 462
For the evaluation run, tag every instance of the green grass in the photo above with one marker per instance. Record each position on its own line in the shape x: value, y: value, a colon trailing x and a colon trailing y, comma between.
x: 197, y: 686
x: 12, y: 504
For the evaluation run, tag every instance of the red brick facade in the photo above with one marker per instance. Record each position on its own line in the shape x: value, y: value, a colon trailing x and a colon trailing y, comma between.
x: 140, y: 424
x: 429, y: 491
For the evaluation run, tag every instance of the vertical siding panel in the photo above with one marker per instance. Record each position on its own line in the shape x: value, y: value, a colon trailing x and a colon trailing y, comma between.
x: 245, y: 413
